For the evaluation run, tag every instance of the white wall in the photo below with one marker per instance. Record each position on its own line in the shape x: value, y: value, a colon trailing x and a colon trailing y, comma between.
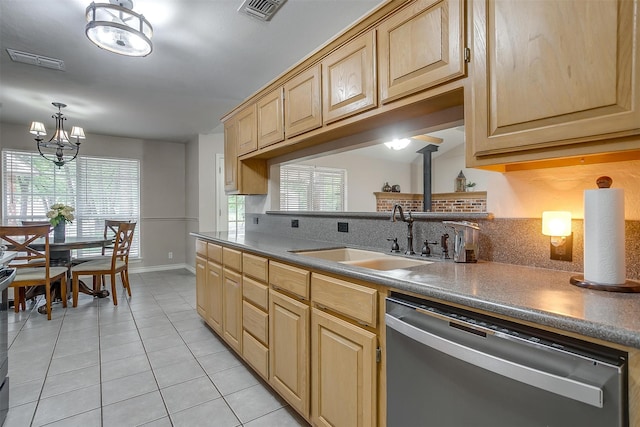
x: 162, y: 225
x: 525, y: 194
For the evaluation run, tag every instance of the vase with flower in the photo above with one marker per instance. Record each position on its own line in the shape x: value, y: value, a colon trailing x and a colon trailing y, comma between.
x: 59, y: 215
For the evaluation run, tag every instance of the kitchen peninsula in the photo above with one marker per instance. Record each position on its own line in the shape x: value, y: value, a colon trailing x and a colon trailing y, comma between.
x: 293, y: 285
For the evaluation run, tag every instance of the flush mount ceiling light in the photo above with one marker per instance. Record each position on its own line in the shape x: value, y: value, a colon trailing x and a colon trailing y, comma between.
x: 398, y: 144
x: 117, y: 28
x: 58, y: 149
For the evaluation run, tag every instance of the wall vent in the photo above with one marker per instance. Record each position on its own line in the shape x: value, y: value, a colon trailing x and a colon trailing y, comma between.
x: 37, y: 60
x: 261, y: 9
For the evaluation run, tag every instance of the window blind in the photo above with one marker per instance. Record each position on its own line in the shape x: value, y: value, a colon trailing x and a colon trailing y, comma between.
x: 304, y: 188
x: 98, y: 188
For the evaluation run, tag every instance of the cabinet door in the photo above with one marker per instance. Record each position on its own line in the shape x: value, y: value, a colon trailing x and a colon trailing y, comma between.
x: 420, y: 47
x: 289, y: 350
x: 303, y: 103
x: 550, y: 74
x: 214, y: 288
x: 349, y: 79
x: 232, y: 309
x: 270, y: 119
x: 247, y: 130
x: 343, y: 360
x: 201, y: 287
x: 230, y: 156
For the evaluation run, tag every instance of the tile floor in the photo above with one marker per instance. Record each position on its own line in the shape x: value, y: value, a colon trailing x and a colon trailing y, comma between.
x: 148, y: 361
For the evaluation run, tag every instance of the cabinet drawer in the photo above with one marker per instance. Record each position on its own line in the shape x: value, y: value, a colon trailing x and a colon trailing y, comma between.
x: 255, y: 321
x: 201, y: 248
x: 256, y: 354
x: 288, y: 278
x: 232, y: 259
x: 214, y: 253
x: 256, y: 292
x: 354, y: 301
x: 256, y: 267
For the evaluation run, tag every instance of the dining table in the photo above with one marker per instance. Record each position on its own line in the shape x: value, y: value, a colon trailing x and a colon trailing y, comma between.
x: 60, y: 255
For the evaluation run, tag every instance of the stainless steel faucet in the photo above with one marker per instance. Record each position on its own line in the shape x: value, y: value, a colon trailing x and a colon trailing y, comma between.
x: 409, y: 221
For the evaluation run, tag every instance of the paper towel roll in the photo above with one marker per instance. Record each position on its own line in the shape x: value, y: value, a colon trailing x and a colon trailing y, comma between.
x: 604, y: 257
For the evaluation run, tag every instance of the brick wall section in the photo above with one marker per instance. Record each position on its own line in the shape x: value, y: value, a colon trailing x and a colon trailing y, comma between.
x: 446, y: 202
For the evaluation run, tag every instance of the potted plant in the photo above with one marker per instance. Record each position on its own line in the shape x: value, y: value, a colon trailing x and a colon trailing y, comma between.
x: 470, y: 186
x: 59, y: 215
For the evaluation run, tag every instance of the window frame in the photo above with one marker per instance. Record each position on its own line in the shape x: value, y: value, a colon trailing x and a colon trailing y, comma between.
x: 82, y: 224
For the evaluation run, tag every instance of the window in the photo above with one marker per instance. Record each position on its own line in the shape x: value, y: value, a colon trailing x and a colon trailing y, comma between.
x: 236, y: 214
x: 98, y: 188
x: 309, y: 188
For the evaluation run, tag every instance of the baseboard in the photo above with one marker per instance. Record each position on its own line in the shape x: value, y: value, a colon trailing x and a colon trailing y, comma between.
x: 162, y: 268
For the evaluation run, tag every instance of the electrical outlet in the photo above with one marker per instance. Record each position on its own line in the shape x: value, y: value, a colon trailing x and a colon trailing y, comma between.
x: 294, y: 223
x: 170, y: 255
x: 343, y: 227
x: 255, y: 220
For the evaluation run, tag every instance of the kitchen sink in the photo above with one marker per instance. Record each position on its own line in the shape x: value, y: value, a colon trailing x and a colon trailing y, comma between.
x: 342, y: 254
x: 387, y: 263
x: 363, y: 258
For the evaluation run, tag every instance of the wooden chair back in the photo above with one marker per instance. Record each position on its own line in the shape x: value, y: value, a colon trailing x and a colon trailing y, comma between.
x: 22, y: 239
x: 123, y: 242
x: 111, y: 229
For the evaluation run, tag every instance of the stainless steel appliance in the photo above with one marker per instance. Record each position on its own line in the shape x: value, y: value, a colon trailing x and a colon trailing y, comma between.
x: 6, y: 277
x: 452, y: 367
x: 465, y: 240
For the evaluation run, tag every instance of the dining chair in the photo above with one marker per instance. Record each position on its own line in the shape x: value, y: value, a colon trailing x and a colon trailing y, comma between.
x: 118, y: 263
x: 111, y: 229
x: 32, y: 263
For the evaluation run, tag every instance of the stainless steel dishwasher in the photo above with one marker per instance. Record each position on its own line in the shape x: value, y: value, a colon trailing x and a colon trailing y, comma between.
x: 452, y: 367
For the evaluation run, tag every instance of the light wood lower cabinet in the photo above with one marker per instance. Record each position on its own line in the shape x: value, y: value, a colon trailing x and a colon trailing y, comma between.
x: 201, y: 286
x: 232, y: 309
x: 289, y: 350
x: 214, y: 294
x: 343, y: 366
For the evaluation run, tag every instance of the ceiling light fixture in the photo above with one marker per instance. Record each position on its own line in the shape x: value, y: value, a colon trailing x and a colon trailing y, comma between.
x: 398, y: 144
x: 117, y: 28
x: 58, y: 149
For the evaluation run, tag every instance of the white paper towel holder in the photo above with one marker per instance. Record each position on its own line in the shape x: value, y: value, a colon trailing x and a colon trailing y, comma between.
x: 627, y: 286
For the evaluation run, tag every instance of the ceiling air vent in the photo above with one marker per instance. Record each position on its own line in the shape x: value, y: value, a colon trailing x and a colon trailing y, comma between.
x: 37, y: 60
x: 261, y: 9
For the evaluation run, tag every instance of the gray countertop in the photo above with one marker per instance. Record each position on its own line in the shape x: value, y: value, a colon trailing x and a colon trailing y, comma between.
x: 537, y: 295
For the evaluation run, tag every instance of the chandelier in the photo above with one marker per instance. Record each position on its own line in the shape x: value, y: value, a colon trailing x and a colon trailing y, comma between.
x: 117, y: 28
x: 59, y: 149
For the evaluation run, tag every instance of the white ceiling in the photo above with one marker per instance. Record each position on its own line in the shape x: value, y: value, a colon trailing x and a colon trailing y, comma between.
x: 207, y: 58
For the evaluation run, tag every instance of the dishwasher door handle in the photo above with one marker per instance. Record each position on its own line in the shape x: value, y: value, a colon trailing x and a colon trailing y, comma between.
x: 566, y: 387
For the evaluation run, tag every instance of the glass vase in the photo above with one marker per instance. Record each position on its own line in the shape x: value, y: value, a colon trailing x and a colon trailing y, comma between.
x: 59, y: 232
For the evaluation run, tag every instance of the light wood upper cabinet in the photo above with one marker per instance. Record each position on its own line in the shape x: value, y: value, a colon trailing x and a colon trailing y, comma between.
x: 230, y: 156
x: 551, y: 74
x: 289, y: 350
x: 343, y: 360
x: 349, y: 79
x: 303, y: 103
x: 214, y: 294
x: 270, y: 112
x: 247, y: 130
x: 420, y: 47
x: 232, y: 309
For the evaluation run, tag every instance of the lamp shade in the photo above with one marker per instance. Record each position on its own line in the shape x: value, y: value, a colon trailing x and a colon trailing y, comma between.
x: 77, y: 132
x: 37, y: 128
x: 556, y: 223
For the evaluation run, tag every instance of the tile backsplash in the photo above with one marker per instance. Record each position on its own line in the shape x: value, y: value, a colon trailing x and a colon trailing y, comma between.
x: 505, y: 240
